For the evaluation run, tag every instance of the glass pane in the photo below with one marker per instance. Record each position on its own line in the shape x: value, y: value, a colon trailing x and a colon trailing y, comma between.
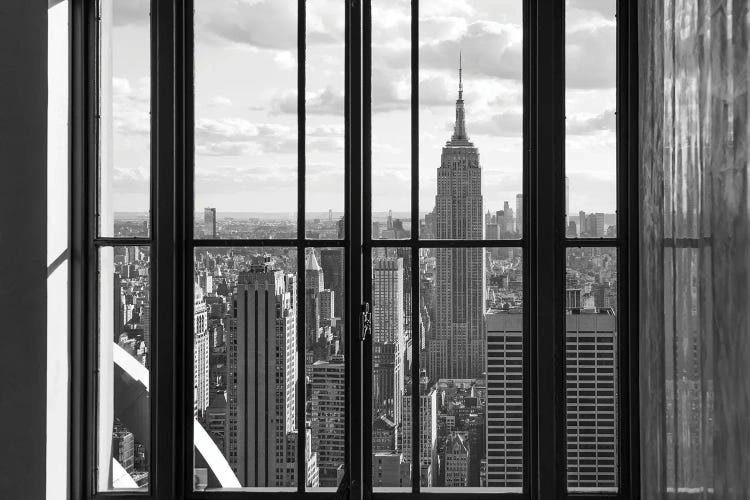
x: 124, y: 346
x: 245, y: 119
x: 590, y: 132
x: 471, y: 369
x: 324, y: 119
x: 124, y: 118
x: 391, y: 119
x: 470, y: 103
x: 245, y: 368
x: 391, y: 367
x: 325, y: 414
x: 591, y: 369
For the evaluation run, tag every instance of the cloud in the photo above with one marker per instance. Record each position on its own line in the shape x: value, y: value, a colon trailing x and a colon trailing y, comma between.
x: 237, y: 137
x: 502, y: 124
x: 326, y: 101
x: 267, y: 24
x: 590, y: 57
x: 585, y: 125
x: 489, y: 49
x: 130, y: 12
x: 219, y: 101
x: 603, y: 7
x: 130, y: 106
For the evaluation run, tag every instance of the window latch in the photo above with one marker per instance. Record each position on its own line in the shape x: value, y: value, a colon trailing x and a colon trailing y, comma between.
x: 365, y: 324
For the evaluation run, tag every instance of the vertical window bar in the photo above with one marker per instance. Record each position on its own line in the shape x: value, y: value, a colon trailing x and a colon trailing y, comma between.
x: 415, y: 428
x: 367, y: 363
x: 301, y: 164
x: 529, y: 389
x: 549, y: 131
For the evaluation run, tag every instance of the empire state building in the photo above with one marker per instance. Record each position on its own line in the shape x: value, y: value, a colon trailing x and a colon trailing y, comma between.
x: 457, y: 345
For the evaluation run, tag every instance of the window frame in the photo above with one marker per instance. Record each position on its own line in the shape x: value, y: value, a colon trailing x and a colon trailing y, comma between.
x: 171, y: 240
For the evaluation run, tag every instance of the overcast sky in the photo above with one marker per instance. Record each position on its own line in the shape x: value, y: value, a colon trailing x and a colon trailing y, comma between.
x: 246, y: 95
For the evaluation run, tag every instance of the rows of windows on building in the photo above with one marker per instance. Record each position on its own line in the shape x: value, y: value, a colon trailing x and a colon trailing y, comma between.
x: 470, y: 336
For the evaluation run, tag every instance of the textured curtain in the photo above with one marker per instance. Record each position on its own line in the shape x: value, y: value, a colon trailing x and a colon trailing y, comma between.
x: 695, y: 254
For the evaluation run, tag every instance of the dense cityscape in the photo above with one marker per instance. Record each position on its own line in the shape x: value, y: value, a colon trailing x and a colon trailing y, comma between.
x: 470, y: 339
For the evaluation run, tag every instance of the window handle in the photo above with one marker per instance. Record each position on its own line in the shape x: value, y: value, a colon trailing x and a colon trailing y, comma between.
x: 365, y: 323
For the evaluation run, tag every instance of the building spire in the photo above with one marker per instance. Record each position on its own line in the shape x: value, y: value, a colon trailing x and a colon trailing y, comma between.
x: 460, y: 77
x: 459, y: 130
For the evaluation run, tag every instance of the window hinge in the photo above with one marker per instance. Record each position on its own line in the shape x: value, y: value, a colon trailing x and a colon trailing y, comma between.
x: 365, y: 324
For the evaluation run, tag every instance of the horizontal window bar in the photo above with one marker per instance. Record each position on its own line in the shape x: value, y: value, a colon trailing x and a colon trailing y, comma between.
x: 121, y: 242
x: 292, y: 242
x: 593, y: 242
x: 451, y: 493
x: 249, y: 494
x: 446, y: 243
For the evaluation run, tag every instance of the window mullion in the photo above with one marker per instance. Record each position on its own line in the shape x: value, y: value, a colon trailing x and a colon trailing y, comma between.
x: 547, y: 295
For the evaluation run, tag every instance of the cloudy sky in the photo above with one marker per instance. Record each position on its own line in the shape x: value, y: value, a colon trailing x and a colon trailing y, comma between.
x: 246, y: 95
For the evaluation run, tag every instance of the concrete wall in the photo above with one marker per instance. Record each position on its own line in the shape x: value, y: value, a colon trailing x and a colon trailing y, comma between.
x: 23, y: 249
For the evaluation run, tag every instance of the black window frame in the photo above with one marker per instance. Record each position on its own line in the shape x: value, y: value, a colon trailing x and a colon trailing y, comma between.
x: 172, y: 244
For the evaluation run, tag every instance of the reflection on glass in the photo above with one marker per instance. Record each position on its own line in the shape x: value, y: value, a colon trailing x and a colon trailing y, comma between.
x: 391, y: 366
x: 391, y: 119
x: 325, y: 414
x: 123, y: 405
x: 245, y: 119
x: 471, y: 102
x: 245, y: 367
x: 324, y: 119
x: 591, y: 369
x: 124, y: 118
x: 471, y: 370
x: 590, y: 123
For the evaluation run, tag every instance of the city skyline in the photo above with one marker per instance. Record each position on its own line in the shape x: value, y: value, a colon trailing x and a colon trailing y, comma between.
x: 246, y: 133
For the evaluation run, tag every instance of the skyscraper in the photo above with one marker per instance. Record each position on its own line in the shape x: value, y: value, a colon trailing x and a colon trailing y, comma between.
x: 388, y: 327
x: 261, y: 376
x: 201, y: 368
x: 504, y: 466
x: 591, y: 398
x: 313, y: 286
x: 519, y: 213
x: 456, y: 347
x: 209, y: 222
x: 428, y: 430
x: 328, y: 418
x: 332, y: 264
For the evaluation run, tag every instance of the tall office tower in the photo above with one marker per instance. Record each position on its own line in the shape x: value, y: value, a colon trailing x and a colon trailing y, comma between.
x: 591, y: 398
x: 123, y: 448
x: 456, y: 347
x: 313, y: 286
x: 405, y: 254
x: 519, y: 213
x: 581, y: 223
x: 330, y: 215
x: 328, y: 418
x: 388, y: 321
x: 332, y: 264
x: 261, y: 376
x: 428, y: 429
x: 326, y: 301
x: 567, y: 201
x: 201, y: 367
x: 209, y: 222
x: 504, y: 467
x: 384, y: 378
x: 389, y: 470
x: 510, y: 220
x: 456, y: 459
